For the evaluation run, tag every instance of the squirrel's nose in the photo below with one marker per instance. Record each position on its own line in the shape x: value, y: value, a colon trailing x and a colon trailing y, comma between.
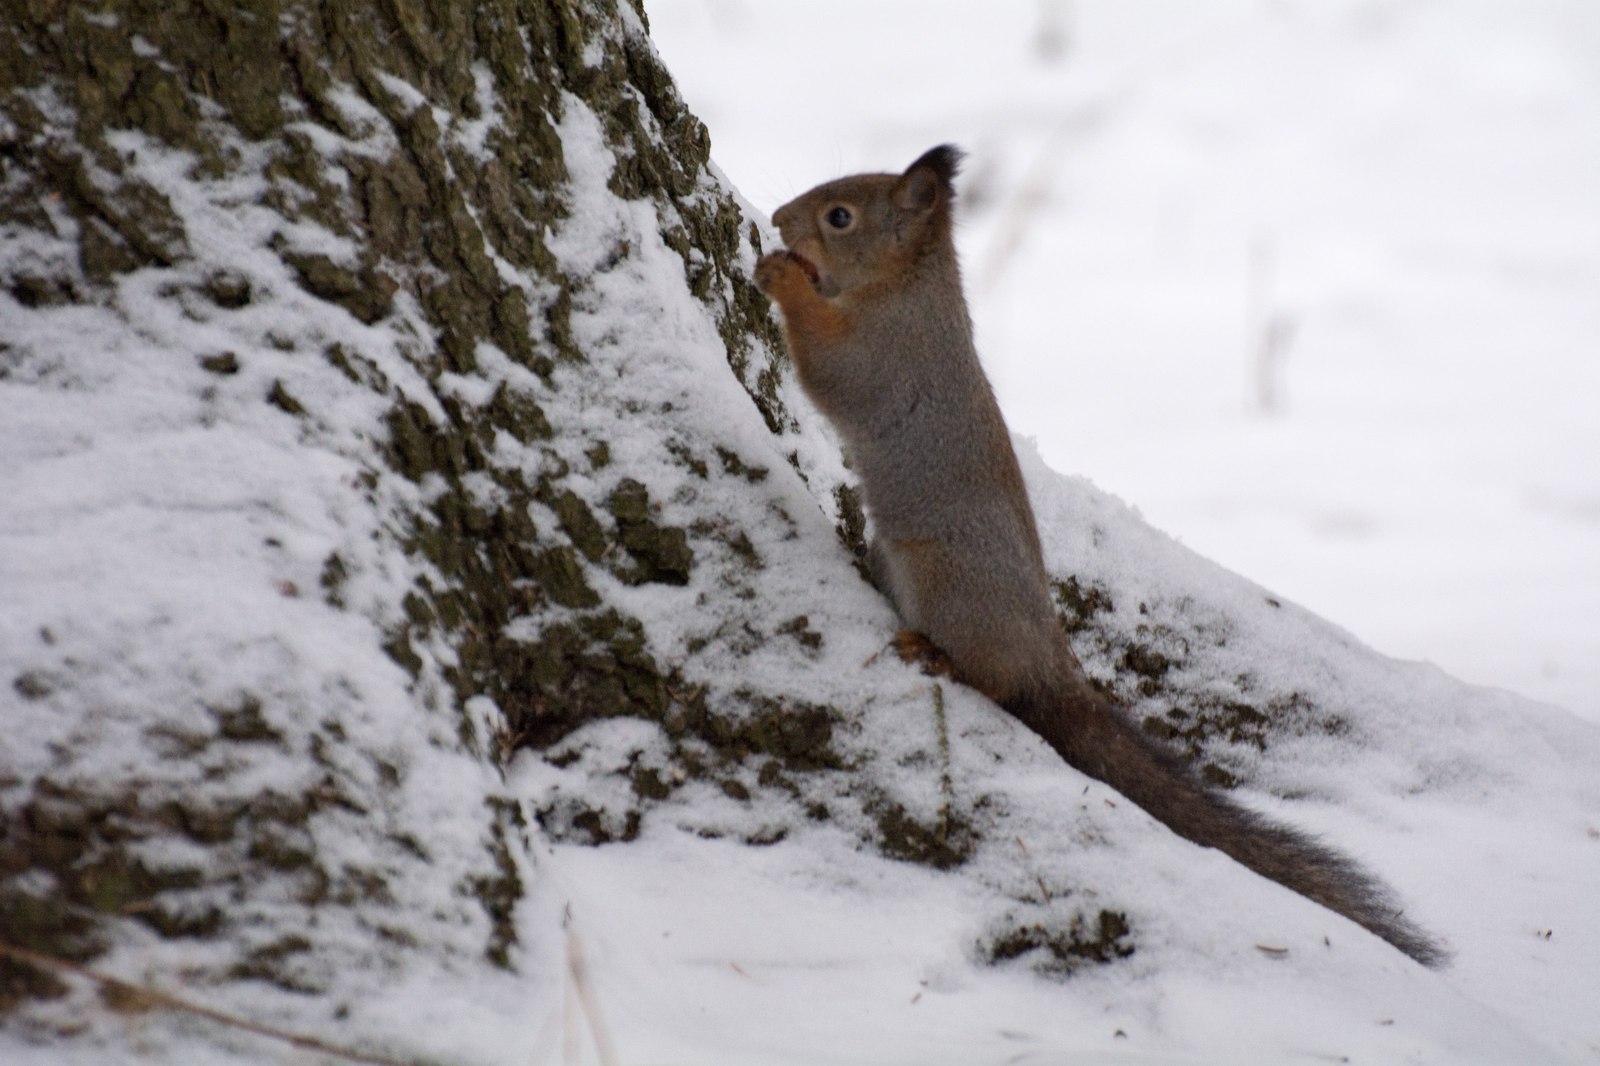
x: 783, y: 215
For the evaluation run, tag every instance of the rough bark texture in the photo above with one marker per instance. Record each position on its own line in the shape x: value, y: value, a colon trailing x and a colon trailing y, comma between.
x: 346, y: 120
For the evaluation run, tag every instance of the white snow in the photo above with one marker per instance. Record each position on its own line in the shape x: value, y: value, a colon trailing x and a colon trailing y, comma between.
x: 156, y: 517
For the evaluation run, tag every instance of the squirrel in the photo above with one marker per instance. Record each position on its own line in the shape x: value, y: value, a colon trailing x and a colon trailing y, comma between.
x: 877, y: 325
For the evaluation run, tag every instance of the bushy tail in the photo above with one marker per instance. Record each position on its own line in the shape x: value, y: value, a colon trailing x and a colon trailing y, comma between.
x: 1088, y: 731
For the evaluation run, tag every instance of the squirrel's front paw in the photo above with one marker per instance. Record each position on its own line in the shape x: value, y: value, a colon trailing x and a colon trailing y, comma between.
x: 777, y: 270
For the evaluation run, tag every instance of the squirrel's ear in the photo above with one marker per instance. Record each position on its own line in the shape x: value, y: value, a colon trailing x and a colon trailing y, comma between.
x: 934, y: 172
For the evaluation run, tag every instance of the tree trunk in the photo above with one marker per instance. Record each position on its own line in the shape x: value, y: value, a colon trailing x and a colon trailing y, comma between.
x: 315, y: 509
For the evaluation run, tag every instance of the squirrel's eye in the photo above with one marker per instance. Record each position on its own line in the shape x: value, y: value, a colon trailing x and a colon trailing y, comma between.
x: 840, y: 218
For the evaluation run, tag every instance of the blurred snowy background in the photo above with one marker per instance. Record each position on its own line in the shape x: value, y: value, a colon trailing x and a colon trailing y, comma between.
x: 1314, y: 285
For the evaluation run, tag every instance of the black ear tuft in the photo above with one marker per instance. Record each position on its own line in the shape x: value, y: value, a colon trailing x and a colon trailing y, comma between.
x: 944, y: 161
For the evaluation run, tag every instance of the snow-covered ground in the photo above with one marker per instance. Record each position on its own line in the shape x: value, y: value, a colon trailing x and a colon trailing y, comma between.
x: 1407, y: 192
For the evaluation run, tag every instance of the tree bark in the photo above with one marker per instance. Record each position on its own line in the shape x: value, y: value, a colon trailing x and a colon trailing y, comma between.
x: 316, y: 238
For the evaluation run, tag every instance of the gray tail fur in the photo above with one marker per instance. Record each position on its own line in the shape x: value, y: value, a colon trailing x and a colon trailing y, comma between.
x: 1088, y: 731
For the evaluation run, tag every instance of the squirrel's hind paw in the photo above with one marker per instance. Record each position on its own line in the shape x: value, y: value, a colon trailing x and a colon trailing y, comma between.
x: 914, y: 647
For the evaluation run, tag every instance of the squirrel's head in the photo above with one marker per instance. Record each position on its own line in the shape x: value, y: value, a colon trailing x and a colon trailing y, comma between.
x: 872, y: 226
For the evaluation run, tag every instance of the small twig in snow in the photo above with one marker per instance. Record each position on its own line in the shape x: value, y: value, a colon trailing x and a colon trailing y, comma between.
x: 579, y: 971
